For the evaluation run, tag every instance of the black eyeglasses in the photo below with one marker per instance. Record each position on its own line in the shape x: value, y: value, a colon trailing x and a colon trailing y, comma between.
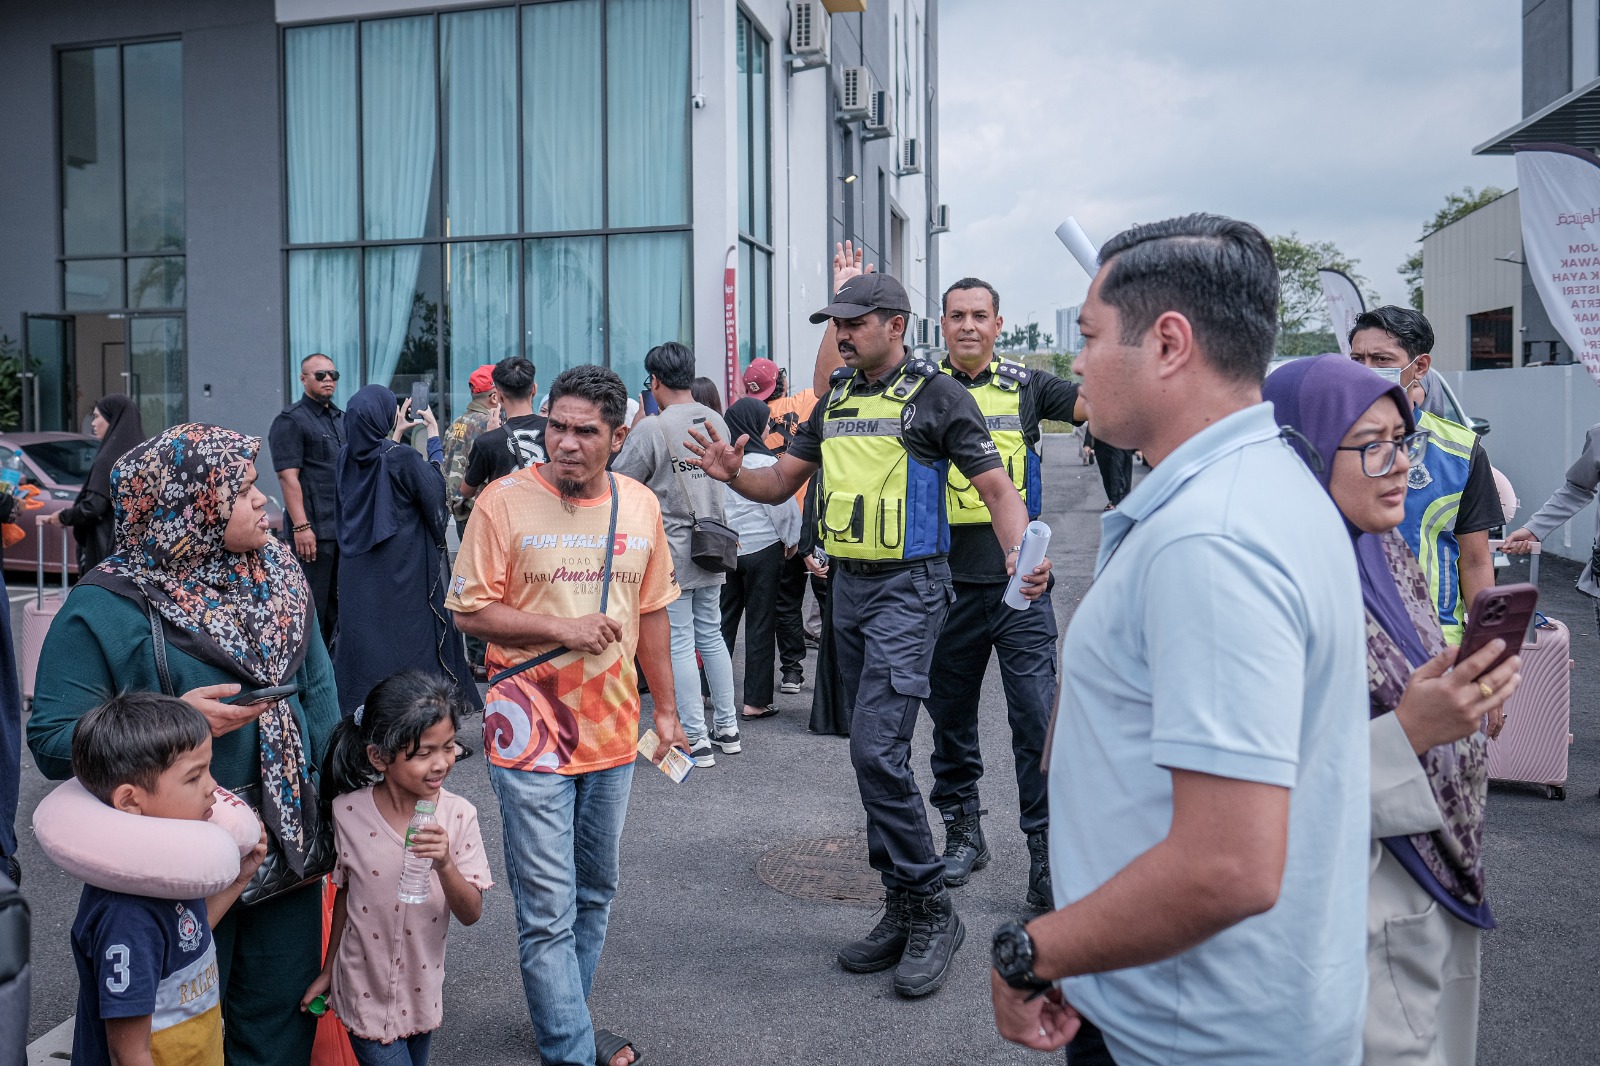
x: 325, y: 375
x: 648, y: 378
x: 1377, y: 458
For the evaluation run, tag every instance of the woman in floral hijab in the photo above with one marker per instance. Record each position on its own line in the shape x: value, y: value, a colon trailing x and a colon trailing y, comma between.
x: 1432, y: 719
x: 193, y: 543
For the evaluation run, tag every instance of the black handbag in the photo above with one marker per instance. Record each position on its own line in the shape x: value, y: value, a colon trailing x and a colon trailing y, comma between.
x: 713, y: 545
x: 275, y: 876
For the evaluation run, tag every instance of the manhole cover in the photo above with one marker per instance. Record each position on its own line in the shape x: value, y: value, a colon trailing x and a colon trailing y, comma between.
x: 832, y: 870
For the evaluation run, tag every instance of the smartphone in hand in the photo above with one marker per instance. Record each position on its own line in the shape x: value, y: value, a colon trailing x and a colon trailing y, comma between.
x: 262, y: 695
x: 1503, y: 611
x: 419, y: 399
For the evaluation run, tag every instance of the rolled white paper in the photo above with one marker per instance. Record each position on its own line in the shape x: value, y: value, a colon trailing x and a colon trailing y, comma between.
x: 1079, y: 244
x: 1035, y: 542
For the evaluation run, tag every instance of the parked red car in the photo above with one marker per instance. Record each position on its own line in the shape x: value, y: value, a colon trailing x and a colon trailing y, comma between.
x: 58, y: 463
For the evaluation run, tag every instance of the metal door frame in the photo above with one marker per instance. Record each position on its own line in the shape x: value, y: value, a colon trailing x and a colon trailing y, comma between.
x: 30, y: 380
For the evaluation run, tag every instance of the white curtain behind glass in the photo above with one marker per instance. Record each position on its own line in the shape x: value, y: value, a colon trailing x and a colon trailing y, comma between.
x: 647, y: 113
x: 565, y: 327
x: 561, y: 115
x: 483, y: 310
x: 650, y: 298
x: 398, y: 143
x: 478, y: 57
x: 320, y: 106
x: 324, y: 305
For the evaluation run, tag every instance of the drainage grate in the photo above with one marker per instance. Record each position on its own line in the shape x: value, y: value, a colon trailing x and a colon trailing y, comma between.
x: 832, y: 870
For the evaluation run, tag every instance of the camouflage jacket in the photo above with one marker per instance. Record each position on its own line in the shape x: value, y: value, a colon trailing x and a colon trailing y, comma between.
x: 457, y: 449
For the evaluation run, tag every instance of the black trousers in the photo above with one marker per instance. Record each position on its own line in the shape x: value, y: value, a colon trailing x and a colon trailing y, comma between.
x: 791, y: 613
x: 751, y: 591
x: 1088, y: 1048
x: 885, y: 626
x: 266, y: 956
x: 323, y: 577
x: 1025, y: 642
x: 1116, y: 470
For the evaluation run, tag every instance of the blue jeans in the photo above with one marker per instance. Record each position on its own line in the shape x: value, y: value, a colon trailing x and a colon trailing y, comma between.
x: 696, y: 618
x: 410, y: 1051
x: 561, y: 839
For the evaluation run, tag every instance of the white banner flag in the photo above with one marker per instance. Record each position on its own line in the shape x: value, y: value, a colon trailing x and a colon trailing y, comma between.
x: 1560, y: 200
x: 1344, y: 304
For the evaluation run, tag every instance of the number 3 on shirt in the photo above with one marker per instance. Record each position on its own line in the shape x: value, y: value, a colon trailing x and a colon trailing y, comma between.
x: 117, y: 955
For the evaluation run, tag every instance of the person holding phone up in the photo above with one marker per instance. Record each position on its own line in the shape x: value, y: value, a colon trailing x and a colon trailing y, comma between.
x: 1432, y: 718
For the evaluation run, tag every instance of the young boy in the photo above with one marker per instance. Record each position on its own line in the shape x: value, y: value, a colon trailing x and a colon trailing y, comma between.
x: 148, y: 993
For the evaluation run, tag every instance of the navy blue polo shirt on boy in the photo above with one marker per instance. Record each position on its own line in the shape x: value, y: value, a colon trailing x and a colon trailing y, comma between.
x: 139, y: 956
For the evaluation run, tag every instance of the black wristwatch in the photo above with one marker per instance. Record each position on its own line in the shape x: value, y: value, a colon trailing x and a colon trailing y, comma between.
x: 1012, y: 956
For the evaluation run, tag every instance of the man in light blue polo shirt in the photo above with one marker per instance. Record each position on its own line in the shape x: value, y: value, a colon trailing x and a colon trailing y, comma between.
x: 1208, y: 772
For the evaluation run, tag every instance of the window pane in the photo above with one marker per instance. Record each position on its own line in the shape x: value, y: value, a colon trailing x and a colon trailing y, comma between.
x: 91, y: 152
x: 565, y: 326
x: 92, y: 285
x: 647, y: 112
x: 152, y: 107
x: 760, y: 305
x: 741, y: 39
x: 479, y: 63
x: 561, y: 125
x: 742, y: 290
x: 320, y: 102
x: 649, y: 298
x: 404, y: 326
x: 484, y: 317
x: 156, y: 282
x: 156, y: 358
x: 324, y: 312
x: 760, y: 142
x: 398, y: 129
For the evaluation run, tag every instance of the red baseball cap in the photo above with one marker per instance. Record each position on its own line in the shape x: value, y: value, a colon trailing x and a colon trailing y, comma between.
x: 482, y: 379
x: 760, y: 378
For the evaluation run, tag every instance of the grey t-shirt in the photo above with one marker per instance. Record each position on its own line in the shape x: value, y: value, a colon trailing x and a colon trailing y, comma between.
x: 645, y: 457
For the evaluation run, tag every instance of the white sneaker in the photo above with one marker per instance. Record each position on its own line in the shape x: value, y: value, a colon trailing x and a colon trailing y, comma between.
x: 727, y: 743
x: 700, y: 752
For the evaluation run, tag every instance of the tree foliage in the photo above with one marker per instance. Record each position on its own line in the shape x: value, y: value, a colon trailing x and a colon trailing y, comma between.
x: 1028, y: 337
x: 1457, y: 205
x: 1303, y: 326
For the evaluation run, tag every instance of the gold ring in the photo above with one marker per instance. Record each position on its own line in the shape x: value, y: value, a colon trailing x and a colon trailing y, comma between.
x: 1483, y: 687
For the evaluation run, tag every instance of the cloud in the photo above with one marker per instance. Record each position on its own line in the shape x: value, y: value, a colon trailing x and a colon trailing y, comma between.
x: 1347, y: 123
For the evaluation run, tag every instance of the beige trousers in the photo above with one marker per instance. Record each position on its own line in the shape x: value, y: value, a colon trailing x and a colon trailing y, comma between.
x: 1422, y: 974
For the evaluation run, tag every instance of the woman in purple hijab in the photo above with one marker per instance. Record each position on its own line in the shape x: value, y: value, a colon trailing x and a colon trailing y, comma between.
x: 1431, y: 721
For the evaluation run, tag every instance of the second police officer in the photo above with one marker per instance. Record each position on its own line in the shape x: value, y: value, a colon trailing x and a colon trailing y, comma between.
x: 884, y: 438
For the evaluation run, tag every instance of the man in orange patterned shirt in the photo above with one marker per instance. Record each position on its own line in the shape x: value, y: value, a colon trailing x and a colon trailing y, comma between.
x: 565, y: 565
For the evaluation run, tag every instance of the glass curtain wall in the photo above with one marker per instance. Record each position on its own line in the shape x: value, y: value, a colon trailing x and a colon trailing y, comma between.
x: 755, y: 194
x: 464, y: 186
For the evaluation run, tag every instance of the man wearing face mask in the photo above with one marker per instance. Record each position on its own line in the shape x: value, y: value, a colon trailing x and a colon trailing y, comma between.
x: 1451, y: 502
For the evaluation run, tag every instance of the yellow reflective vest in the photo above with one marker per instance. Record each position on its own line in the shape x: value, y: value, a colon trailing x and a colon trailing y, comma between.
x: 1000, y: 400
x: 875, y: 501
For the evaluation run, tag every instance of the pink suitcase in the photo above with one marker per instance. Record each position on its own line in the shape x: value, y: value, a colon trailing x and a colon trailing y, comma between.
x: 39, y: 612
x: 1532, y: 746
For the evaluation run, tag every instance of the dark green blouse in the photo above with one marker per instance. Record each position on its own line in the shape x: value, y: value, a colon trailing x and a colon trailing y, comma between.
x: 100, y: 645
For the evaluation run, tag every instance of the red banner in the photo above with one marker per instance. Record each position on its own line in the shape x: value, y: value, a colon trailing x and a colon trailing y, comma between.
x: 730, y: 324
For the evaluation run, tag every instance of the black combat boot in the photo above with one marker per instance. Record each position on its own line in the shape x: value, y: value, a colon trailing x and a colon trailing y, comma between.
x: 936, y: 932
x: 964, y: 849
x: 1039, y: 891
x: 881, y: 948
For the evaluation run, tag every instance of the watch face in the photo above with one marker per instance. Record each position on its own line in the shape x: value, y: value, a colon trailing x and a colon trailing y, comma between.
x: 1013, y: 950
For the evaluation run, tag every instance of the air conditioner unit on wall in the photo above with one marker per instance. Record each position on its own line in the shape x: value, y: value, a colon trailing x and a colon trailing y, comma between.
x: 855, y: 92
x: 880, y: 117
x: 940, y: 222
x: 910, y: 157
x: 927, y: 335
x: 808, y: 34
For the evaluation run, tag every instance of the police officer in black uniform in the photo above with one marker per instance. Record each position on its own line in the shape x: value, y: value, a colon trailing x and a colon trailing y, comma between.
x: 305, y: 439
x: 1013, y: 399
x: 883, y: 439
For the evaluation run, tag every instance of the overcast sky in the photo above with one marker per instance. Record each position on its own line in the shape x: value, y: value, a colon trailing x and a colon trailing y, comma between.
x: 1345, y: 122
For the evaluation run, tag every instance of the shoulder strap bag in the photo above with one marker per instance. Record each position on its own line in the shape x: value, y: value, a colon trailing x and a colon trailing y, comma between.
x: 713, y: 545
x: 275, y: 877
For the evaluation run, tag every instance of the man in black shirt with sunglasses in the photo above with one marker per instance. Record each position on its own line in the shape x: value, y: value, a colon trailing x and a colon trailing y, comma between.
x: 305, y: 439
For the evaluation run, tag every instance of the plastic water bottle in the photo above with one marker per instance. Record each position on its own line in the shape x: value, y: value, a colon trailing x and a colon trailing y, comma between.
x: 414, y: 877
x: 11, y: 472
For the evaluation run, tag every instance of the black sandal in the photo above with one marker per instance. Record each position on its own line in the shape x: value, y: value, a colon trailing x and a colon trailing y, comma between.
x: 608, y: 1045
x: 768, y: 713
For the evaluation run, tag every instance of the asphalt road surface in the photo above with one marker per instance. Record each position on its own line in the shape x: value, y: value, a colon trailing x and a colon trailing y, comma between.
x: 705, y: 964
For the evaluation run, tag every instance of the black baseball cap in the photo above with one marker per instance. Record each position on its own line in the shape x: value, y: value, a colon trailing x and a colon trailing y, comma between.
x: 863, y: 293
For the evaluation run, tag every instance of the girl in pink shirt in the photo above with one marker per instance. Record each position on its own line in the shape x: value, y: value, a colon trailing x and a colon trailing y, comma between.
x: 385, y: 960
